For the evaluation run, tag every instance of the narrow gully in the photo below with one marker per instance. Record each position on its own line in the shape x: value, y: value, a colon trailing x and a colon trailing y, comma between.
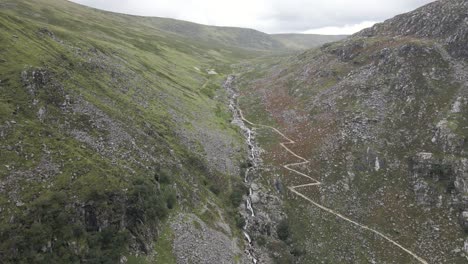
x: 252, y: 161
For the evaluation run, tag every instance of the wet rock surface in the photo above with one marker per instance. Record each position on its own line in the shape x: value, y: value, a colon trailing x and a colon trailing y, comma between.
x: 262, y: 209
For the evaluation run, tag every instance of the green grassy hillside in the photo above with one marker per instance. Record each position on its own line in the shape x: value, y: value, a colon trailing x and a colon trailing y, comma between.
x: 108, y: 124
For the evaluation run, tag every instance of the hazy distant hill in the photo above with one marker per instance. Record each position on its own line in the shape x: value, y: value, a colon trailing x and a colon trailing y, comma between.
x: 244, y: 38
x: 305, y: 41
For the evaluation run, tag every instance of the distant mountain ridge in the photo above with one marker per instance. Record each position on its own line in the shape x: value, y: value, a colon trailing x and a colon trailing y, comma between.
x: 244, y: 38
x: 306, y: 41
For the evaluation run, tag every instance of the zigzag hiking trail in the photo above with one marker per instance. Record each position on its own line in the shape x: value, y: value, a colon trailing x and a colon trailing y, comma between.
x: 314, y: 182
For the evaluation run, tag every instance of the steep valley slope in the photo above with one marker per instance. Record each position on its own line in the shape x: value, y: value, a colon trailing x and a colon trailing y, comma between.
x: 381, y: 118
x: 115, y: 139
x: 128, y: 139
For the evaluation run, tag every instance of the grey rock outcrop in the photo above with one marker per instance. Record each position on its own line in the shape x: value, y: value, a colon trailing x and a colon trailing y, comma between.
x: 444, y: 20
x: 197, y: 243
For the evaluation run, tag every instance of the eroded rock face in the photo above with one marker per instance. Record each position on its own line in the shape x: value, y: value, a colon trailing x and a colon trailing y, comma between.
x: 446, y: 138
x: 447, y: 170
x: 461, y: 172
x: 464, y: 220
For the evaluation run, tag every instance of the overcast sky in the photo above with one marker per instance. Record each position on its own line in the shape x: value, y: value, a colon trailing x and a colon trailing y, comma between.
x: 271, y: 16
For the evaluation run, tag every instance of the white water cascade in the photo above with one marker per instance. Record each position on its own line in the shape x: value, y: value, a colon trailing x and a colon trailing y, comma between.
x: 252, y: 161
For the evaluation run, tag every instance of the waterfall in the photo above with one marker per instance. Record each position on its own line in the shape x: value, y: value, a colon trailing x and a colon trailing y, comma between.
x: 252, y: 161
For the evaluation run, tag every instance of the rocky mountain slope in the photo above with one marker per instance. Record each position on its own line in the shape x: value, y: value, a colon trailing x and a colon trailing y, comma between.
x: 382, y: 117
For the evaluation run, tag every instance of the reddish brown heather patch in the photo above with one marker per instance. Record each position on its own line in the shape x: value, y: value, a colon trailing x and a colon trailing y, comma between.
x: 308, y: 135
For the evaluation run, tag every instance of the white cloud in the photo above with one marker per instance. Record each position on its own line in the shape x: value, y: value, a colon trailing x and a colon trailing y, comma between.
x: 272, y: 16
x: 344, y: 30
